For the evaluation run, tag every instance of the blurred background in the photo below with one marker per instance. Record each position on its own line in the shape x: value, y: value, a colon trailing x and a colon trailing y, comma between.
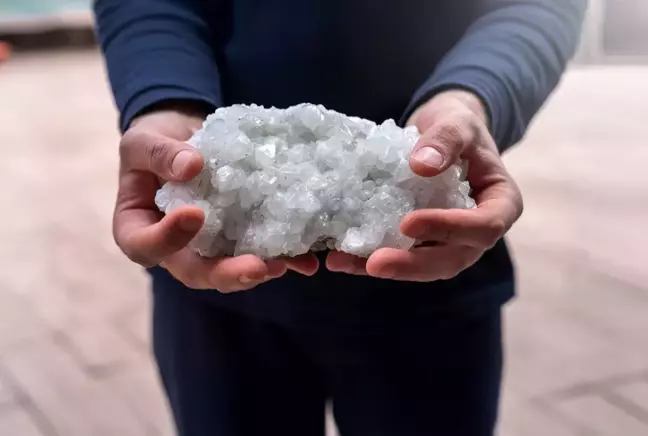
x: 74, y: 327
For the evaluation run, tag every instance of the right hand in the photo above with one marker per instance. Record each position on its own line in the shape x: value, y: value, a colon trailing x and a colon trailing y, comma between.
x: 152, y: 151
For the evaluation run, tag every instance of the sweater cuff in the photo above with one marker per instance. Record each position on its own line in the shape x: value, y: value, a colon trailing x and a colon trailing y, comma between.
x: 148, y: 97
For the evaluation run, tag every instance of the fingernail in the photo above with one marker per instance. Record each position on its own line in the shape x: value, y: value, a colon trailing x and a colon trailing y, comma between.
x: 247, y: 280
x: 191, y: 224
x: 417, y: 233
x: 429, y: 156
x: 387, y: 272
x: 348, y: 268
x: 180, y: 162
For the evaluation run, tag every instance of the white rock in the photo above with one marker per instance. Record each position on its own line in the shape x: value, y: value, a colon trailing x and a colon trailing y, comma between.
x: 283, y: 182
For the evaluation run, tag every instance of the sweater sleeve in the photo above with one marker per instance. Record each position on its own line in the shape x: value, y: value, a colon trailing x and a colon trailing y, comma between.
x: 512, y: 57
x: 156, y: 50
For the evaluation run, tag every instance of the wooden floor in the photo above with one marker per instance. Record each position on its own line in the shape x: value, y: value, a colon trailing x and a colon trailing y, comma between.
x: 74, y: 335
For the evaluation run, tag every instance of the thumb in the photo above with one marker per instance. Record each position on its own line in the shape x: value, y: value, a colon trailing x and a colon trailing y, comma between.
x: 440, y: 146
x: 167, y: 158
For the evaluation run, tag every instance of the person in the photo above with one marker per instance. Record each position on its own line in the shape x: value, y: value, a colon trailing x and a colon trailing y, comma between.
x: 404, y: 343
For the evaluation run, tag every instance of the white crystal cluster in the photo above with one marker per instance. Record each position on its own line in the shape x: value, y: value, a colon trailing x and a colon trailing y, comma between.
x: 285, y: 182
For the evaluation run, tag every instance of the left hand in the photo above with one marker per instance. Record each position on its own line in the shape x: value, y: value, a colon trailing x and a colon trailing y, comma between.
x: 453, y: 125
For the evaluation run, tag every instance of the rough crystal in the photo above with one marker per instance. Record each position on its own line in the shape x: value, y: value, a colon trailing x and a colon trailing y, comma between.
x: 283, y: 182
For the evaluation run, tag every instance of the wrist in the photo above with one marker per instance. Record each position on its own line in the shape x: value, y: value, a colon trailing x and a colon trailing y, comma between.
x: 450, y: 100
x: 472, y: 101
x: 190, y: 109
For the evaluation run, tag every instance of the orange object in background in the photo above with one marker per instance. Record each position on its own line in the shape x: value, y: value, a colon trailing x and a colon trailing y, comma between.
x: 5, y: 51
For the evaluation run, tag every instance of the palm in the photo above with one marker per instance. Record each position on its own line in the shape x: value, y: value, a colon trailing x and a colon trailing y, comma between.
x: 453, y: 239
x: 149, y: 156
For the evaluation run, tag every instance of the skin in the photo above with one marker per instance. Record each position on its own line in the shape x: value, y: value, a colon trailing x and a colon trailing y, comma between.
x: 454, y: 124
x: 152, y: 151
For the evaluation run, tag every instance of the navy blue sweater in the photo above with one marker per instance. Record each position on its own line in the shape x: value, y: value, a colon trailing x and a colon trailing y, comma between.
x: 376, y: 59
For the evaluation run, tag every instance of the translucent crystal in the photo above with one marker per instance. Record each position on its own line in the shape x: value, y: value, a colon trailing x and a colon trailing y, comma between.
x: 228, y: 178
x: 265, y: 154
x: 283, y: 182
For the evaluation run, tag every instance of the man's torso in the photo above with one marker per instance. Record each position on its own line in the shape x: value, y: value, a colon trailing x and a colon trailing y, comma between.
x: 358, y: 57
x: 361, y: 58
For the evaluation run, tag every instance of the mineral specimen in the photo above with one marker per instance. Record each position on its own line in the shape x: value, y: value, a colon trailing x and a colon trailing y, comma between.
x: 285, y: 182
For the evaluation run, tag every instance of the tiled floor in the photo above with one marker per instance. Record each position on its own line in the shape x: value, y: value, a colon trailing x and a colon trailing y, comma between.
x: 74, y: 354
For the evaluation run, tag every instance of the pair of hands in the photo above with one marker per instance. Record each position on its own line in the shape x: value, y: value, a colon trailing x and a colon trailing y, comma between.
x: 454, y: 124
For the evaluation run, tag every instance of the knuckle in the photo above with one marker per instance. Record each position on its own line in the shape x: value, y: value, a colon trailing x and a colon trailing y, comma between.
x: 435, y: 236
x: 158, y: 154
x: 139, y: 258
x: 447, y: 235
x: 126, y: 140
x: 452, y: 134
x: 483, y: 137
x: 125, y: 245
x: 464, y: 116
x: 493, y: 232
x: 125, y: 198
x: 132, y: 138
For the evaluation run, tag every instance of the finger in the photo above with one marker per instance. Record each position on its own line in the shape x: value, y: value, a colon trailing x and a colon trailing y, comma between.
x: 225, y: 274
x: 499, y: 205
x: 276, y: 268
x: 167, y: 158
x: 147, y: 241
x: 488, y: 177
x: 423, y: 264
x: 230, y: 274
x: 442, y: 143
x: 481, y: 227
x: 306, y: 264
x: 338, y: 261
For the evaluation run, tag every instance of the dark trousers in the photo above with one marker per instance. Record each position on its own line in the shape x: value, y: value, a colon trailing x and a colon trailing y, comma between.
x: 230, y: 374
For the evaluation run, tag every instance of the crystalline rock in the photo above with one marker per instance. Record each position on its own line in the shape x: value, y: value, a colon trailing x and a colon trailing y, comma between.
x: 285, y: 182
